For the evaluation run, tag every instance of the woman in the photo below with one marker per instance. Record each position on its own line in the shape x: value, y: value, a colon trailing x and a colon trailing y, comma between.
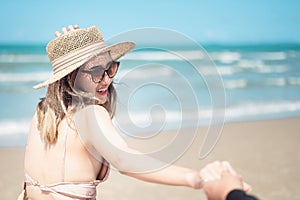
x: 72, y: 138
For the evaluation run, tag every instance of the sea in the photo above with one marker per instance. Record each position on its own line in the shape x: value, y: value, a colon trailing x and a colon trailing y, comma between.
x: 166, y: 89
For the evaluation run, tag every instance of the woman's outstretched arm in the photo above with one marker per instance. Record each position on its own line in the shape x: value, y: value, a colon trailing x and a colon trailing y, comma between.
x: 102, y: 140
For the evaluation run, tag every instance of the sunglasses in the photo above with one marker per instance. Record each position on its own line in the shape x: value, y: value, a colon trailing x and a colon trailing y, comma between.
x: 98, y: 72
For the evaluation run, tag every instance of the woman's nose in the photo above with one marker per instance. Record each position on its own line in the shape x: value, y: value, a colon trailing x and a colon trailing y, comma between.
x: 105, y: 79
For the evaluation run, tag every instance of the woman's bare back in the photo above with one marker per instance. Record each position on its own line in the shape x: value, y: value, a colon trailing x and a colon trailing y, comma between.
x: 65, y: 161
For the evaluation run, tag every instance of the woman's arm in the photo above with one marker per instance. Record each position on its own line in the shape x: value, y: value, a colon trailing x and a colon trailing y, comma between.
x: 171, y: 175
x: 100, y: 137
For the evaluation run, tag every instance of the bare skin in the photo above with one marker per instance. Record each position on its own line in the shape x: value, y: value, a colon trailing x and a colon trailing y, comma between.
x: 95, y: 126
x: 219, y: 189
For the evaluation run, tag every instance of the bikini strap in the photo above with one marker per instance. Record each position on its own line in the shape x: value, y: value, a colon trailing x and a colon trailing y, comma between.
x: 64, y: 153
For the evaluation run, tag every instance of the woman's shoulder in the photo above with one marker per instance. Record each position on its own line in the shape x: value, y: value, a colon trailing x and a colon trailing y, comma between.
x: 91, y: 123
x: 91, y: 115
x: 92, y: 110
x: 34, y: 120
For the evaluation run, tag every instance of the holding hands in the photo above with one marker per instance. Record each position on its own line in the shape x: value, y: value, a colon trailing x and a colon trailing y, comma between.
x: 220, y: 179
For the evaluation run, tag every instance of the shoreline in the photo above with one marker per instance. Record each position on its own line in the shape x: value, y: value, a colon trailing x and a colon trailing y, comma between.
x: 266, y: 153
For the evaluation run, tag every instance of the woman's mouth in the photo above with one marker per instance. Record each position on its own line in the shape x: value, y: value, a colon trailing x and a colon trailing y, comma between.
x: 102, y: 92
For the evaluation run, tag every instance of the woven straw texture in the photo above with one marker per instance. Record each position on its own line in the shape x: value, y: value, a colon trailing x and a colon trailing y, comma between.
x: 73, y: 40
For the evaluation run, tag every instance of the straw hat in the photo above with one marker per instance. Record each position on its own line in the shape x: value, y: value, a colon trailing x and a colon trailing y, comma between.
x: 69, y: 51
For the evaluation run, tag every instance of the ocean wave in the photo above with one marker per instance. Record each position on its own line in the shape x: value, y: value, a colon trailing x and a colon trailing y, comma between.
x: 213, y: 71
x: 293, y: 54
x: 272, y: 69
x: 256, y: 59
x: 169, y: 71
x: 142, y: 73
x: 226, y: 57
x: 223, y: 57
x: 282, y: 82
x: 165, y: 55
x: 294, y: 80
x: 173, y: 119
x: 13, y: 127
x: 23, y: 58
x: 242, y: 112
x: 276, y: 82
x: 267, y: 82
x: 235, y: 84
x: 260, y: 67
x: 250, y: 64
x: 24, y: 77
x: 278, y: 55
x: 261, y: 109
x: 243, y: 67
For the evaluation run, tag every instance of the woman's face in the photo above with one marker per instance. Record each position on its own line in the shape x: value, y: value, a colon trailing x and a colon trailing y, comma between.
x: 89, y: 76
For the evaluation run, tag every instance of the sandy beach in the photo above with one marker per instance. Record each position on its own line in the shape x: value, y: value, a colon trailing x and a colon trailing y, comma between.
x: 266, y: 153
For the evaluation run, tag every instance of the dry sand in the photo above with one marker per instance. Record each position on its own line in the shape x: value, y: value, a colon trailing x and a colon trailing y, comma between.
x: 266, y: 153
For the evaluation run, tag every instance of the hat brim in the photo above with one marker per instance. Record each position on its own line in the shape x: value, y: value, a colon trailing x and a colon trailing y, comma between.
x: 116, y: 51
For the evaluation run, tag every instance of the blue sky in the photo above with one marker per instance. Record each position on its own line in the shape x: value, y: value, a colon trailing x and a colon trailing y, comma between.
x: 207, y: 21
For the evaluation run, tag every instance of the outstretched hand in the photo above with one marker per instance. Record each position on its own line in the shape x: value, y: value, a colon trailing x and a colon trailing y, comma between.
x: 220, y: 178
x: 65, y: 30
x: 219, y: 189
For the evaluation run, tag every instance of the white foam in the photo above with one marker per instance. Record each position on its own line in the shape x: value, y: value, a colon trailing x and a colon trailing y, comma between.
x: 226, y: 57
x: 24, y: 77
x: 144, y: 119
x: 237, y: 113
x: 227, y: 70
x: 23, y: 58
x: 276, y: 81
x: 272, y: 69
x: 212, y: 70
x: 280, y: 55
x: 165, y: 55
x: 208, y: 70
x: 11, y: 127
x: 260, y: 67
x: 259, y: 109
x: 282, y: 81
x: 294, y: 80
x: 173, y: 118
x: 293, y: 54
x: 250, y: 64
x: 142, y: 73
x: 234, y: 84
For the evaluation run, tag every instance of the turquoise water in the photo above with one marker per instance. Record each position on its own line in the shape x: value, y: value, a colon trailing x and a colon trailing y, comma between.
x: 158, y: 87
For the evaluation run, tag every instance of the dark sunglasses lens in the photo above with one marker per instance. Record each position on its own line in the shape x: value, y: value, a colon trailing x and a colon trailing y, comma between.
x: 97, y: 74
x: 112, y: 70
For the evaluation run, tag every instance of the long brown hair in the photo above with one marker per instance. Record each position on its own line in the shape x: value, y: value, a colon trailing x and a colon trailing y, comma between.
x: 61, y: 98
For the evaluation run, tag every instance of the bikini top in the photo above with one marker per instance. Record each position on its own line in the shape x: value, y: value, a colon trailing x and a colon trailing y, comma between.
x: 71, y: 190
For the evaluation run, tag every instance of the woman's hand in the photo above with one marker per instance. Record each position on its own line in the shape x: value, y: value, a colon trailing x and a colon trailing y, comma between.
x: 214, y: 172
x: 65, y: 30
x: 211, y: 171
x: 219, y: 189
